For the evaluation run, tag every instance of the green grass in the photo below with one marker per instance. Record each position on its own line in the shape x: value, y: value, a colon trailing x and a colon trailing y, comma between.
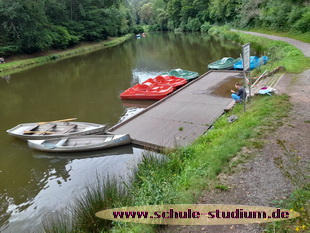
x: 280, y: 53
x: 16, y: 66
x: 299, y: 202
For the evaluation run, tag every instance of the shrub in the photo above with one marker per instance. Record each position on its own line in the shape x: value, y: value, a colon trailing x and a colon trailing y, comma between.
x: 303, y: 24
x: 155, y: 27
x: 9, y: 50
x: 137, y: 29
x: 205, y: 27
x: 193, y: 24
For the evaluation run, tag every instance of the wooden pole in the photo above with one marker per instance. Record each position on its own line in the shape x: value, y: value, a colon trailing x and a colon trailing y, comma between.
x: 64, y: 120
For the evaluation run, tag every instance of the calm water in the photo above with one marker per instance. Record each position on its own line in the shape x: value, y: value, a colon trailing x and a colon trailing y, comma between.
x: 87, y: 87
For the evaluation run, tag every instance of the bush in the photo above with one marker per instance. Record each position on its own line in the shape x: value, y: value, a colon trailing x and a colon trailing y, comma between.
x: 303, y: 24
x: 205, y: 27
x: 155, y: 27
x: 9, y: 50
x: 193, y: 24
x: 137, y: 29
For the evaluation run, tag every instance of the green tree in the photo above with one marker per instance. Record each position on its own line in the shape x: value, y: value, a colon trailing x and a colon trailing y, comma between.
x: 146, y: 13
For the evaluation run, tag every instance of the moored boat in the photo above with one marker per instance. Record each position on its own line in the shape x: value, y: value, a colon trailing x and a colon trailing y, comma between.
x: 147, y: 92
x: 186, y: 74
x: 225, y: 63
x: 49, y: 130
x: 80, y: 143
x: 175, y: 82
x: 254, y: 62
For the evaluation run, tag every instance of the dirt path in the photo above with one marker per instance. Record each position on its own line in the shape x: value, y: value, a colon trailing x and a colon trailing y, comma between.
x: 261, y: 180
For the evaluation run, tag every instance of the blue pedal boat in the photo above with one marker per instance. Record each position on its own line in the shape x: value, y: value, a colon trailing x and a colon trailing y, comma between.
x: 254, y: 62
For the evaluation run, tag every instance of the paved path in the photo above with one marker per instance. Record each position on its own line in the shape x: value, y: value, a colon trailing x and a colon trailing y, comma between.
x: 304, y: 47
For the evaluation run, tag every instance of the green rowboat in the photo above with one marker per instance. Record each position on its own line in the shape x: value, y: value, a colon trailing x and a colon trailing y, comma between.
x: 226, y: 63
x: 188, y: 75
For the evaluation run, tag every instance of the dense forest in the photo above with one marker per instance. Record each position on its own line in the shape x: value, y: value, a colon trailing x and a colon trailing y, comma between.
x: 195, y: 15
x: 28, y: 26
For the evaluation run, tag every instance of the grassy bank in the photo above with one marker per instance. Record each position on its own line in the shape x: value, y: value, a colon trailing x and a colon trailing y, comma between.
x: 182, y: 175
x: 16, y: 66
x: 279, y: 52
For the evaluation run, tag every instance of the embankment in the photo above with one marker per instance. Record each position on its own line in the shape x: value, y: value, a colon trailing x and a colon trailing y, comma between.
x: 15, y: 66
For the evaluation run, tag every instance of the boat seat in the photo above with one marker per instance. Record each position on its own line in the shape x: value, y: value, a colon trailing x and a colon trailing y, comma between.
x: 34, y: 127
x: 61, y: 142
x: 50, y: 127
x: 109, y: 138
x: 31, y: 128
x: 67, y: 129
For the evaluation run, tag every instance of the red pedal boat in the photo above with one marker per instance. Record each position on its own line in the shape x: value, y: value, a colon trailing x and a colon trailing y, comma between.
x: 147, y: 92
x: 166, y: 80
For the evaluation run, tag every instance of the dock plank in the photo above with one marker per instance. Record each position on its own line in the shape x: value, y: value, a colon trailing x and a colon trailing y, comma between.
x: 179, y: 119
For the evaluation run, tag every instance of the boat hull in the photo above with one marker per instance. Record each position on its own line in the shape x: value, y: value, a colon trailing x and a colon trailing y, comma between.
x: 146, y: 92
x: 188, y: 75
x: 80, y: 143
x: 254, y: 62
x: 226, y: 63
x: 55, y: 130
x: 173, y: 81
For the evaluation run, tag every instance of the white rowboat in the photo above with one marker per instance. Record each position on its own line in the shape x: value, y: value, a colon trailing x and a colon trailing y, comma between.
x: 29, y: 131
x: 80, y: 143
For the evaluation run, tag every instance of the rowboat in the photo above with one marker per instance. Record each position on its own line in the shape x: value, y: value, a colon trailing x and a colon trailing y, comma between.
x: 80, y: 143
x: 125, y: 150
x: 147, y: 92
x: 254, y: 62
x: 175, y: 82
x: 50, y: 130
x: 225, y: 63
x: 188, y: 75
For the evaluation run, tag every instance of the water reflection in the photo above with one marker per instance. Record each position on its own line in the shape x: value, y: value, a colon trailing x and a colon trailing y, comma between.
x: 6, y: 78
x: 65, y: 177
x: 223, y: 89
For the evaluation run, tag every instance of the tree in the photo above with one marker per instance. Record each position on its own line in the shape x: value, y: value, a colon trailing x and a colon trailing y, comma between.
x: 146, y: 14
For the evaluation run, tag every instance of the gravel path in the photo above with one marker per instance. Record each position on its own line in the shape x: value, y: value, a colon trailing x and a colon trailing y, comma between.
x: 304, y: 47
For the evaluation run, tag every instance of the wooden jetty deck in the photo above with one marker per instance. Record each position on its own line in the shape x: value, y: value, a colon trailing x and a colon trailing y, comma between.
x: 180, y: 118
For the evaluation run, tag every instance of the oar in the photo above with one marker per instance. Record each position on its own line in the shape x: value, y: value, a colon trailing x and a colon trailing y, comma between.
x: 64, y: 120
x: 47, y: 132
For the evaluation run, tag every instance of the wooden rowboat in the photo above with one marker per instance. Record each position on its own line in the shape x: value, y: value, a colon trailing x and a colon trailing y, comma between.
x: 50, y: 130
x: 80, y: 143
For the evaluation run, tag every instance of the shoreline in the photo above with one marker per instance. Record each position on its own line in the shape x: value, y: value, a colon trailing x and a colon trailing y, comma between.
x: 14, y: 64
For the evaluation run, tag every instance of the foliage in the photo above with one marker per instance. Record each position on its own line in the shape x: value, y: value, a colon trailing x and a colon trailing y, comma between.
x: 138, y: 29
x: 32, y: 26
x: 205, y: 27
x: 303, y: 24
x: 185, y: 15
x: 299, y: 202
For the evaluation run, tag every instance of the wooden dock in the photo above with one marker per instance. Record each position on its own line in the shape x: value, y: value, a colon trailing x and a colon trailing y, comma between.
x: 179, y: 119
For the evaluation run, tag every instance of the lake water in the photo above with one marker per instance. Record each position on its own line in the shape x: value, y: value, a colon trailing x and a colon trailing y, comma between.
x: 87, y: 87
